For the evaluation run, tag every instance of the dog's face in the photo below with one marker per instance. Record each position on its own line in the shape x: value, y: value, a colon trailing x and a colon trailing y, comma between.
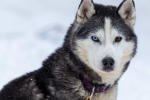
x: 104, y: 37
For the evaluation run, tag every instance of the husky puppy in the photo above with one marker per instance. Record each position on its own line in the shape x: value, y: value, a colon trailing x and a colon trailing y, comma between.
x: 96, y: 52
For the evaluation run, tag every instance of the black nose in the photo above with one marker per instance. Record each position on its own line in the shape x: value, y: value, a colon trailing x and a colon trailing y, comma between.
x: 108, y: 63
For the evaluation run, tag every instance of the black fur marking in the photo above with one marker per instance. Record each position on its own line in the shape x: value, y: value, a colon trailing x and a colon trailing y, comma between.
x: 126, y: 66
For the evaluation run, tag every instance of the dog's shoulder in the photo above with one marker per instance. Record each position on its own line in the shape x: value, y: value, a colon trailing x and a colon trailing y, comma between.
x: 33, y: 85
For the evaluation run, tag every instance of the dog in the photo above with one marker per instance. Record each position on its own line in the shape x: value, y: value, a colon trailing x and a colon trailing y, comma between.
x: 97, y: 50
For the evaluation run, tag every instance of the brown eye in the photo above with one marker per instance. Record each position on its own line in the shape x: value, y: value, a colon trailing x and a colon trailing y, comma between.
x: 118, y: 39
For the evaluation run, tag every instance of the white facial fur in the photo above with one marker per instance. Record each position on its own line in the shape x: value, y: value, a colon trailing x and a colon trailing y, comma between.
x: 92, y: 53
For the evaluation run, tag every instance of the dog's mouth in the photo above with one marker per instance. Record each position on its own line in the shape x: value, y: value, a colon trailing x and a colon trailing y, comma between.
x: 108, y: 69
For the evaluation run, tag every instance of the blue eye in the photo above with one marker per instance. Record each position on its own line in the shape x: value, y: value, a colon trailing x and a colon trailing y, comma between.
x: 95, y: 38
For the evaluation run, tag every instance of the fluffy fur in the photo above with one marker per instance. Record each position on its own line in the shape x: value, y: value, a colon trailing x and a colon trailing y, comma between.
x: 59, y: 77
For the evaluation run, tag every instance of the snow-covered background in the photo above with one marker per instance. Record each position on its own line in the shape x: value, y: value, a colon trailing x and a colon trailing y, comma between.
x: 30, y: 30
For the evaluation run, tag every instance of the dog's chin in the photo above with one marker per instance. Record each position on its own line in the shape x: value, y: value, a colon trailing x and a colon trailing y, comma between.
x: 108, y: 70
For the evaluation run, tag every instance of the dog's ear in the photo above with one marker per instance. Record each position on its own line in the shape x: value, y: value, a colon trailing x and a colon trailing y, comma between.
x: 85, y: 11
x: 127, y: 11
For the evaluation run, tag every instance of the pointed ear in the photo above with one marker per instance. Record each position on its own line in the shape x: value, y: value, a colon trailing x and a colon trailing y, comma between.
x: 127, y: 11
x: 86, y: 10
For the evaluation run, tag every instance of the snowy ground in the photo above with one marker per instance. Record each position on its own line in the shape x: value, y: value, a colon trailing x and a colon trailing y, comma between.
x: 30, y: 30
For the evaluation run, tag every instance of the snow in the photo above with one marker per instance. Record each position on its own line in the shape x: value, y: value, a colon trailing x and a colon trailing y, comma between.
x: 32, y: 29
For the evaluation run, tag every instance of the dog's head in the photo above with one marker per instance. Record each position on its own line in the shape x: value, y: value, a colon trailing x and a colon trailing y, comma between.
x: 104, y: 38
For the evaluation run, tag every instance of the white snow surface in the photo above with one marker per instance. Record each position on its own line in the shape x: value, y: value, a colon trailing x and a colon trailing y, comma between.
x: 30, y: 30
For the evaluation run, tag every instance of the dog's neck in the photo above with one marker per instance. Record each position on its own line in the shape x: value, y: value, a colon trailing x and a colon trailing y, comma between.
x: 88, y: 77
x: 98, y: 88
